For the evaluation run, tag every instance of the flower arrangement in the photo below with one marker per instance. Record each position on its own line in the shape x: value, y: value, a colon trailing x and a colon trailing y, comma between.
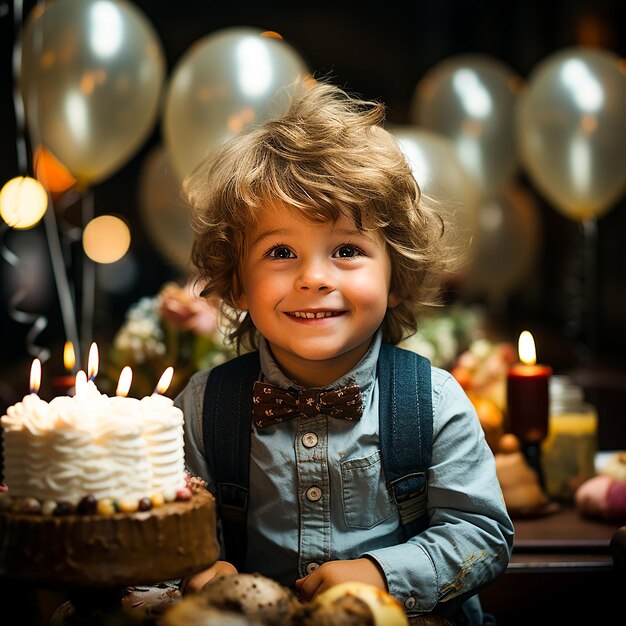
x: 441, y: 337
x: 173, y: 328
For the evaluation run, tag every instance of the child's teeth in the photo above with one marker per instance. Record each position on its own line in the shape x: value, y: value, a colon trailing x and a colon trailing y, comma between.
x: 313, y: 315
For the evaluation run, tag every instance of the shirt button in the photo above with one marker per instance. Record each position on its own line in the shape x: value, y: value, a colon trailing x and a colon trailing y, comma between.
x: 410, y: 602
x: 313, y: 494
x: 311, y: 567
x: 309, y: 440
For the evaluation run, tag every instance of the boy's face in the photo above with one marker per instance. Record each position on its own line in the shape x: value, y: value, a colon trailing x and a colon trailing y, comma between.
x: 316, y: 292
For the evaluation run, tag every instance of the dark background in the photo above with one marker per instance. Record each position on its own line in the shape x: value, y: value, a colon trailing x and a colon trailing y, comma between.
x: 379, y: 51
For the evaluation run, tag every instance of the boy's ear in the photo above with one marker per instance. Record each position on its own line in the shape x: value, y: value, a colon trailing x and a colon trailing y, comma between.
x: 241, y: 301
x: 393, y: 299
x: 239, y: 295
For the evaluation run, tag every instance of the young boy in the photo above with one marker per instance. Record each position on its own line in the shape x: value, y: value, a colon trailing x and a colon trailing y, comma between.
x: 311, y: 229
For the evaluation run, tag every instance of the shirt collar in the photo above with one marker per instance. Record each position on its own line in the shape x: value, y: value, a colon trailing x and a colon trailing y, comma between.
x: 362, y: 374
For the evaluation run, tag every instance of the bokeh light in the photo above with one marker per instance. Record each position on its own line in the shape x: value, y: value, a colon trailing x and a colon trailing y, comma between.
x: 106, y: 239
x: 23, y: 202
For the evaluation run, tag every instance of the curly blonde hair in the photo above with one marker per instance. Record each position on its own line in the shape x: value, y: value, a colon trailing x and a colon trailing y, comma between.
x: 325, y: 157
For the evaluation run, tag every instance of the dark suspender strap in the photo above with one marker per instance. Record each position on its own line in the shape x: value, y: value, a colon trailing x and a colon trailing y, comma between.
x: 406, y: 431
x: 227, y: 426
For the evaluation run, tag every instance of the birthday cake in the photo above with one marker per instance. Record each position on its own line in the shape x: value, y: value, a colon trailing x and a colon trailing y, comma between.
x: 98, y: 494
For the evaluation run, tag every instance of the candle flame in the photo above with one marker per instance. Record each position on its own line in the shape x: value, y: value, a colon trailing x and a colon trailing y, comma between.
x: 526, y: 348
x: 165, y: 380
x: 69, y: 356
x: 81, y: 382
x: 92, y: 363
x: 123, y: 385
x: 35, y: 376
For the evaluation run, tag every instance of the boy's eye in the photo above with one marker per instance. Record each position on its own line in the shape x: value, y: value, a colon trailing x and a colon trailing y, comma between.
x: 347, y: 251
x: 281, y: 252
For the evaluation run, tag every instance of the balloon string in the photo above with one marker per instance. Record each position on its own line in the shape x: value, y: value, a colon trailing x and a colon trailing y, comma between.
x: 66, y: 301
x: 590, y: 287
x: 89, y: 278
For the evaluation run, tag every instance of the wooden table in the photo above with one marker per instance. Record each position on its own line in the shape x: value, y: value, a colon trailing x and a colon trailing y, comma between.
x: 561, y: 573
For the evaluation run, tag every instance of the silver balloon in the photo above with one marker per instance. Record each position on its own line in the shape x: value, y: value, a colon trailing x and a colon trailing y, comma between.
x: 506, y: 245
x: 225, y: 82
x: 444, y: 180
x: 471, y: 99
x: 166, y: 217
x: 572, y: 130
x: 91, y: 79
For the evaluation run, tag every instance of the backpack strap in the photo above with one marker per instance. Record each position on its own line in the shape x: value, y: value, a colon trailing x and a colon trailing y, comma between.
x: 227, y: 426
x: 406, y: 431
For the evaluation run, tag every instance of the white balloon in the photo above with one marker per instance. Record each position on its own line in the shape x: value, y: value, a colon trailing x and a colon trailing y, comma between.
x: 91, y: 78
x: 572, y: 131
x: 506, y: 245
x: 471, y: 98
x: 166, y: 216
x: 225, y: 82
x: 442, y: 178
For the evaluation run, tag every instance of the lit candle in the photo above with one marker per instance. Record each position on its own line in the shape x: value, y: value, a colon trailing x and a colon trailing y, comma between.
x: 123, y: 385
x: 81, y: 382
x: 65, y: 383
x: 528, y: 394
x: 35, y: 376
x: 164, y: 381
x: 92, y: 362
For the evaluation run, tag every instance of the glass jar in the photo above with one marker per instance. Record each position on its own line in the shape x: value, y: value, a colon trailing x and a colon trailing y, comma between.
x: 568, y: 452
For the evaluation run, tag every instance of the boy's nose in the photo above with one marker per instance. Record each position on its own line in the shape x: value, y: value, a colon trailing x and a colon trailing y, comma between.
x: 314, y: 277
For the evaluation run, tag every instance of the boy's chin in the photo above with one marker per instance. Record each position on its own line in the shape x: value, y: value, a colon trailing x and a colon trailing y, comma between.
x: 322, y: 350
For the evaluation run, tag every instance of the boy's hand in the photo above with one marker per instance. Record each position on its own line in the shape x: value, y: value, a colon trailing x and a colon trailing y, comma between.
x: 334, y: 572
x: 194, y: 583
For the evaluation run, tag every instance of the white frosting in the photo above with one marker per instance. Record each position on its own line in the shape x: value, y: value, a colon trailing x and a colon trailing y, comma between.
x: 109, y: 447
x: 163, y: 431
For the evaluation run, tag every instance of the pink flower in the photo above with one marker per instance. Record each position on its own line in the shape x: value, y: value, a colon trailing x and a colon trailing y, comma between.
x: 183, y: 308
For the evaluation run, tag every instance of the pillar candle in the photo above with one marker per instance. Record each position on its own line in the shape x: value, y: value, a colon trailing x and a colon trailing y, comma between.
x: 528, y: 395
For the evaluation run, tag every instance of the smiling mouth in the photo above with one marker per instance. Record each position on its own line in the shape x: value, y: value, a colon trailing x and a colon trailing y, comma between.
x: 310, y: 315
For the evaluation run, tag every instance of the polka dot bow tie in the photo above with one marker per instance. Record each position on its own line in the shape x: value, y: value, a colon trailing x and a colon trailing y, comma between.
x: 272, y: 404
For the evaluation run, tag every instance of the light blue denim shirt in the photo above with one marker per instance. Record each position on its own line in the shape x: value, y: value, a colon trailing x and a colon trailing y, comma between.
x: 318, y: 493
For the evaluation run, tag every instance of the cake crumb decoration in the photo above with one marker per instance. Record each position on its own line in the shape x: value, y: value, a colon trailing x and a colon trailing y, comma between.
x: 184, y: 494
x: 106, y: 507
x: 48, y: 506
x: 87, y: 505
x: 157, y: 500
x: 31, y: 505
x: 145, y: 504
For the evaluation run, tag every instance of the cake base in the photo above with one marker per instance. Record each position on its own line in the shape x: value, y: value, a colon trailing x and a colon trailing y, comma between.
x: 172, y: 541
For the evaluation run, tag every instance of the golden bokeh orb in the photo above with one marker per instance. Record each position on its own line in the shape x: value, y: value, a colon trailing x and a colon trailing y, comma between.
x: 23, y: 202
x: 106, y: 239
